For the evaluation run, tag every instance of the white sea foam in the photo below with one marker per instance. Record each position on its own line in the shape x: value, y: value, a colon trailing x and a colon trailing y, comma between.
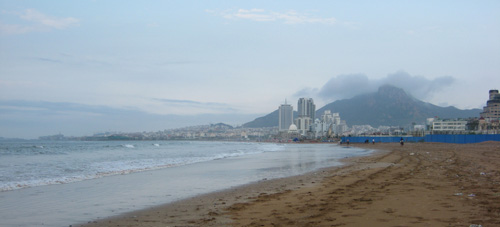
x: 78, y: 161
x: 273, y: 147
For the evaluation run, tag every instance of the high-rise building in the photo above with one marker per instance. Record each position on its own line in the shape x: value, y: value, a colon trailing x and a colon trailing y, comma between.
x: 285, y: 117
x: 306, y: 108
x: 306, y: 111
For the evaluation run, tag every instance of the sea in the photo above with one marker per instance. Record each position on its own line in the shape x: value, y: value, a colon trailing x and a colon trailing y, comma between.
x: 63, y: 183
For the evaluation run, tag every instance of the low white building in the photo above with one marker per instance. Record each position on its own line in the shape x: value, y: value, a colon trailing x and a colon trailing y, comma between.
x: 439, y: 125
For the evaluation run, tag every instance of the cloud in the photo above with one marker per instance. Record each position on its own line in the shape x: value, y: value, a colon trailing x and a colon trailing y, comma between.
x: 204, y: 107
x: 48, y: 60
x: 306, y: 92
x: 189, y: 102
x: 419, y: 86
x: 39, y: 22
x: 349, y: 85
x: 13, y: 29
x: 346, y: 86
x: 58, y: 109
x: 40, y: 18
x: 261, y: 15
x: 253, y: 14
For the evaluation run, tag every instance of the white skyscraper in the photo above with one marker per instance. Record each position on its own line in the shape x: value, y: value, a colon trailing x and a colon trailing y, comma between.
x: 285, y: 117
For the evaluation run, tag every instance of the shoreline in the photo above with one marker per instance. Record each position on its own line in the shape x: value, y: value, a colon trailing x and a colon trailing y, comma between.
x: 377, y: 190
x: 205, y: 206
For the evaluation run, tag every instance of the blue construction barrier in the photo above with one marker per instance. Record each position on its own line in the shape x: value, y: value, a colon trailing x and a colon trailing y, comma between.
x: 461, y: 139
x: 381, y: 139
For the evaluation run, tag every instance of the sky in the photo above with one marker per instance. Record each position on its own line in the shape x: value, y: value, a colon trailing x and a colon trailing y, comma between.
x: 82, y: 67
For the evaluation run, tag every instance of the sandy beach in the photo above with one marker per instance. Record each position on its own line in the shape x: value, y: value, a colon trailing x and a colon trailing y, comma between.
x: 418, y: 184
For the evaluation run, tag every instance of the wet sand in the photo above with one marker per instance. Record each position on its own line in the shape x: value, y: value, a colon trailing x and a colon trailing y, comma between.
x: 418, y: 184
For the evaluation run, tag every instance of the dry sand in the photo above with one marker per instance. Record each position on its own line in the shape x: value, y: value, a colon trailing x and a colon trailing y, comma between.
x: 418, y: 184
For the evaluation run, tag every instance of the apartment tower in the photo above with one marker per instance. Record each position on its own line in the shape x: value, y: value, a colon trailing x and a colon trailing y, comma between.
x: 306, y: 111
x: 306, y: 108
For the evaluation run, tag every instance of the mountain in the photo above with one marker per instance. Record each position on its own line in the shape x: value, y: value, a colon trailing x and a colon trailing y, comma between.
x: 270, y: 120
x: 221, y: 126
x: 393, y: 107
x: 389, y: 106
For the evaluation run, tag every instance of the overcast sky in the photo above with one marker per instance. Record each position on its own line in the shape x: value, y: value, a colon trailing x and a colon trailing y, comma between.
x: 166, y: 58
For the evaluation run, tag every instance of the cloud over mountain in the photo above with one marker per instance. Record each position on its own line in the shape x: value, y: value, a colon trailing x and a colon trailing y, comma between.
x: 350, y: 85
x: 389, y: 106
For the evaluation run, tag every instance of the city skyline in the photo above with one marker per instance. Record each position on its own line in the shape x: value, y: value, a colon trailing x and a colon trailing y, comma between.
x: 89, y: 66
x: 329, y: 125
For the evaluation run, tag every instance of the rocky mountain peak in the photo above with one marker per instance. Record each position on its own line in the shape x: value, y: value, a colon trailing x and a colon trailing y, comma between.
x: 392, y: 92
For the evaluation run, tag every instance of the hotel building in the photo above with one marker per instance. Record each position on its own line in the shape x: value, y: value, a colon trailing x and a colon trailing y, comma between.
x: 285, y: 117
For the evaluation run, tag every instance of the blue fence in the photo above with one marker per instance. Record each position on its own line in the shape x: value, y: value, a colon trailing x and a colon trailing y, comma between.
x: 381, y: 139
x: 428, y: 138
x: 462, y: 138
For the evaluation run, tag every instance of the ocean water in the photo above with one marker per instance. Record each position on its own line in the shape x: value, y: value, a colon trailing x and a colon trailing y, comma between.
x: 64, y: 183
x: 29, y: 164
